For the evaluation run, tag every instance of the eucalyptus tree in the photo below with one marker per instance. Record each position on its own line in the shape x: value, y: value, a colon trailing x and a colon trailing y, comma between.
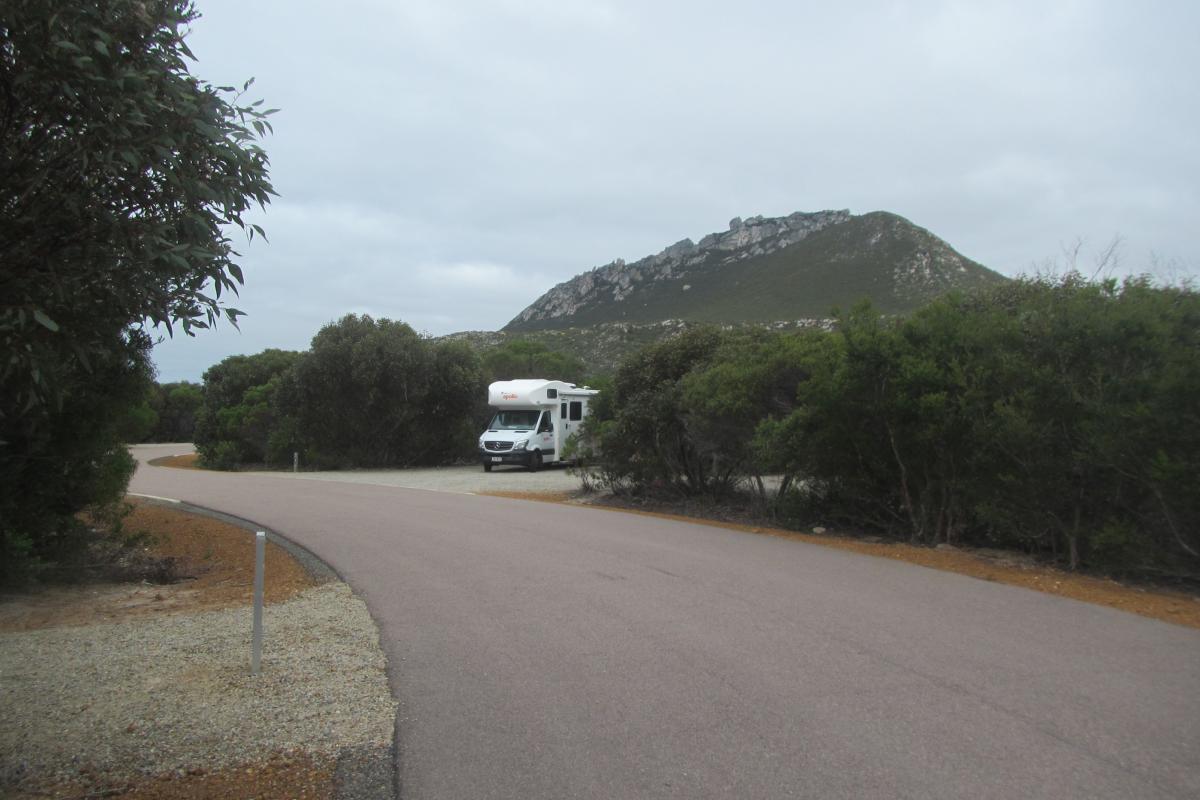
x: 122, y: 179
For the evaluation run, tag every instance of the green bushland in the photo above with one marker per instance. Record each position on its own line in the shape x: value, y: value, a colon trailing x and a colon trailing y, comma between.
x: 1057, y: 416
x: 69, y: 458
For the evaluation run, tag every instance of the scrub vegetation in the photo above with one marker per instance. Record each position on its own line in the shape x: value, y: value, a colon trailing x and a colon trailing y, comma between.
x: 1054, y: 416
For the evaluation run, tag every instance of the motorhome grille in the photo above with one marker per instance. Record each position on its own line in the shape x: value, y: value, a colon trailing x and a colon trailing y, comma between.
x: 498, y: 446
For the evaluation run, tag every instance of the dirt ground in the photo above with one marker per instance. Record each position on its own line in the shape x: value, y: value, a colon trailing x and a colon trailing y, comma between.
x: 215, y: 559
x: 218, y: 559
x: 989, y: 565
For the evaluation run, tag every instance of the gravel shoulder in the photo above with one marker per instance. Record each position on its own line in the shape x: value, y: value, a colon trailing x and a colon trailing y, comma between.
x: 153, y: 697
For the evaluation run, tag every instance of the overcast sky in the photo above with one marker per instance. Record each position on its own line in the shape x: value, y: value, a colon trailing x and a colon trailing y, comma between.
x: 446, y: 162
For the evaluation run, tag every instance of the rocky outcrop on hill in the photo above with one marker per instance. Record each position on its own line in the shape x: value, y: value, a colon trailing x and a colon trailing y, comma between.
x: 614, y: 282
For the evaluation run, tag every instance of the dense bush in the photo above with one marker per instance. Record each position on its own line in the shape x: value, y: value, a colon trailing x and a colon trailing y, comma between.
x: 69, y: 458
x: 175, y: 406
x: 647, y: 443
x: 238, y: 417
x: 123, y: 175
x: 369, y: 393
x: 1057, y: 416
x: 376, y: 394
x: 522, y: 358
x: 166, y: 413
x: 683, y: 414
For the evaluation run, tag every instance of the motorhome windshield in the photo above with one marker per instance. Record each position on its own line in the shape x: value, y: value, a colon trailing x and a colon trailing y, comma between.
x: 514, y: 421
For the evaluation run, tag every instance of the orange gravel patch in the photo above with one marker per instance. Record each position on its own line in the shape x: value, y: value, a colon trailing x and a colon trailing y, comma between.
x: 215, y: 558
x: 541, y: 497
x: 186, y: 461
x: 1009, y: 568
x: 283, y: 776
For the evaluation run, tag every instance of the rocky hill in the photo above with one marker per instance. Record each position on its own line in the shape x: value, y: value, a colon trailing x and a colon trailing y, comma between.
x: 795, y: 268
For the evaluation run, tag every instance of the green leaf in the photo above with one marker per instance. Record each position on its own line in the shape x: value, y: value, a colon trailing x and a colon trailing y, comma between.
x: 44, y: 320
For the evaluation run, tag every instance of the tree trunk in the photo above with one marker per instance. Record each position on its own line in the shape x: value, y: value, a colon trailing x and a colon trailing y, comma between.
x: 1073, y: 539
x: 916, y: 533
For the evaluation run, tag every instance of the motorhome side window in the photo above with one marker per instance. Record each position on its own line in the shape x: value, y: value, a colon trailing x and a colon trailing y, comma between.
x: 562, y: 411
x: 546, y: 426
x: 576, y: 410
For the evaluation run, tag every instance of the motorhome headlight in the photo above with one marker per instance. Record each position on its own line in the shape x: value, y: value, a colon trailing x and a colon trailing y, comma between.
x: 521, y: 445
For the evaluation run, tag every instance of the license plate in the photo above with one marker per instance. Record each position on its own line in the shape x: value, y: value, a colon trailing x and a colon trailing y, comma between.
x: 497, y: 458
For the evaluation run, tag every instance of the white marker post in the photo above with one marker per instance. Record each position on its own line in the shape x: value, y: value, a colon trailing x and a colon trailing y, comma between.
x: 295, y: 461
x: 260, y: 552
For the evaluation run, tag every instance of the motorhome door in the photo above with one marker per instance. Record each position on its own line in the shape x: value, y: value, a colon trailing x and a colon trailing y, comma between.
x: 544, y: 437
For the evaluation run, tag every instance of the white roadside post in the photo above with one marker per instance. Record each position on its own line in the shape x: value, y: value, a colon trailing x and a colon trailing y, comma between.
x: 260, y: 549
x: 295, y: 461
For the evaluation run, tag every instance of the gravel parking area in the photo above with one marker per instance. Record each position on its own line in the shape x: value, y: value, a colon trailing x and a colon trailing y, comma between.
x: 470, y: 480
x: 154, y: 695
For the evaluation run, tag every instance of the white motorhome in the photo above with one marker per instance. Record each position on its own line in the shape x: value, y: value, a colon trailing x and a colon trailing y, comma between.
x: 533, y: 420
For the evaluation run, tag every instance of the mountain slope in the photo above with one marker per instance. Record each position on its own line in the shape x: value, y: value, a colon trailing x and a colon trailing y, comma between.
x: 604, y: 346
x: 763, y: 270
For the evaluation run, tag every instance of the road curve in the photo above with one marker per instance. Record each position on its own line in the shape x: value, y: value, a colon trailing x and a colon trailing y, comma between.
x: 544, y: 651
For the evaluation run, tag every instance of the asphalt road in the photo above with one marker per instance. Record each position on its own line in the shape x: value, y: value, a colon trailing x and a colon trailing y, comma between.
x: 544, y: 651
